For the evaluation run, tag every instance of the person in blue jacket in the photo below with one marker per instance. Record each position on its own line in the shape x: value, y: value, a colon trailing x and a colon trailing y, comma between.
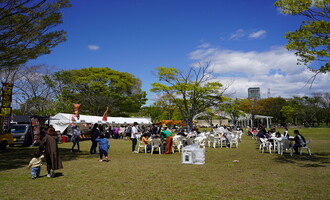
x: 103, y: 147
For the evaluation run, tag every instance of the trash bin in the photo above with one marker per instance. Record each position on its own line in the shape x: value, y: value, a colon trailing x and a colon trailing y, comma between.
x: 193, y: 154
x: 64, y: 139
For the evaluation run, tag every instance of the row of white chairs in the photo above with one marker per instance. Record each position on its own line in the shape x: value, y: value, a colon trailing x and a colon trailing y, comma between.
x: 155, y: 144
x: 204, y: 139
x: 219, y: 141
x: 282, y: 144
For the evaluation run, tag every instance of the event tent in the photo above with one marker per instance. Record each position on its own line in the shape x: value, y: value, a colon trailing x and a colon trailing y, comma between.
x: 62, y: 120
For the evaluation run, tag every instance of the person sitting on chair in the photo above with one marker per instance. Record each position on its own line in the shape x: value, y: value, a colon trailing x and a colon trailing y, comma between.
x: 182, y: 133
x: 299, y: 141
x: 145, y: 140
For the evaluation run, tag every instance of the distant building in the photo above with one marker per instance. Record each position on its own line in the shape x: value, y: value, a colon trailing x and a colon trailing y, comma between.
x: 254, y: 93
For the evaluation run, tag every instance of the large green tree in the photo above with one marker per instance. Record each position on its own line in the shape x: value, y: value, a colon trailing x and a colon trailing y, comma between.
x: 26, y: 29
x: 250, y: 106
x: 288, y: 113
x: 192, y: 92
x: 98, y: 88
x: 233, y: 110
x: 305, y: 109
x: 311, y: 42
x: 169, y: 109
x: 271, y: 107
x: 156, y: 113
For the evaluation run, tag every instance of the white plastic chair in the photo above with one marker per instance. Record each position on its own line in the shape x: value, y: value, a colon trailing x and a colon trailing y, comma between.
x: 201, y: 143
x: 222, y: 141
x: 284, y: 145
x: 177, y: 143
x: 265, y: 144
x: 156, y: 143
x: 239, y: 135
x: 189, y: 141
x: 234, y: 141
x: 307, y: 146
x: 212, y: 140
x: 142, y: 145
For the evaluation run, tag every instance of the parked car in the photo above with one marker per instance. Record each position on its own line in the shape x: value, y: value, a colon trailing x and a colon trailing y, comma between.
x: 22, y: 134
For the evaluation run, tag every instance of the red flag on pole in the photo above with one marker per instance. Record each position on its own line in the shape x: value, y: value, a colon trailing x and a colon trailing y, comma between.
x: 105, y: 115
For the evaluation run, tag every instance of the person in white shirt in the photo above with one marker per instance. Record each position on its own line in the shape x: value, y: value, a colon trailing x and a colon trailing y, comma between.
x: 134, y: 133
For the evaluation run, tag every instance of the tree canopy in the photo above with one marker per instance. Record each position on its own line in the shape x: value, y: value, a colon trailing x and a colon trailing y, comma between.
x: 98, y: 88
x: 233, y: 110
x: 311, y: 41
x: 25, y: 29
x: 192, y: 92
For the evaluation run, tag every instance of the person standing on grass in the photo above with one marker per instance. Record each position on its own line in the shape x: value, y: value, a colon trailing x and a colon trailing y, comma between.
x: 167, y: 136
x: 128, y: 131
x: 134, y: 133
x: 116, y: 132
x: 76, y: 138
x: 95, y: 132
x: 35, y: 164
x: 48, y: 146
x: 103, y: 147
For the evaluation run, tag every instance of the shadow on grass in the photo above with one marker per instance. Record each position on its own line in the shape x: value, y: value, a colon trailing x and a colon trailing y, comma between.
x: 18, y: 156
x: 317, y: 159
x: 58, y: 174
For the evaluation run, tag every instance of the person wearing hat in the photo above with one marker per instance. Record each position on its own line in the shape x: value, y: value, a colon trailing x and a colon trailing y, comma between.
x: 135, y: 131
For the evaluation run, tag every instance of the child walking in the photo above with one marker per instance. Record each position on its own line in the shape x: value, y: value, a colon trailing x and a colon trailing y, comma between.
x: 103, y: 147
x: 35, y: 164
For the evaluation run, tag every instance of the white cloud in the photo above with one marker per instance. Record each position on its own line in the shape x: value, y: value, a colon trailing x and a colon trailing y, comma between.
x: 275, y: 69
x: 94, y: 47
x: 240, y: 33
x: 258, y: 34
x: 237, y: 34
x: 204, y: 45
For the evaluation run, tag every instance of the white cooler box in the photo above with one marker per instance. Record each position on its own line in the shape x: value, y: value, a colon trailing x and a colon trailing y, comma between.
x: 192, y: 154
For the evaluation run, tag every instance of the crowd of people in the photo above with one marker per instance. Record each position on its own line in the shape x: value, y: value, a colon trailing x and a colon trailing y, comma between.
x: 48, y: 147
x: 261, y: 132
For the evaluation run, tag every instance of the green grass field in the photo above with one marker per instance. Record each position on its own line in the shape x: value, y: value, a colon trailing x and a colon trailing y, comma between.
x: 145, y: 176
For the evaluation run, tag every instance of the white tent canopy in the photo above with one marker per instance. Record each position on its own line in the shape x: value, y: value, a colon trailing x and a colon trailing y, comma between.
x: 62, y: 120
x: 244, y: 119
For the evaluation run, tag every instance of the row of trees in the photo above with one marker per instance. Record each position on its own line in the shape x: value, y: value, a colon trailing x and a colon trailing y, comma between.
x: 307, y: 111
x: 39, y: 92
x: 182, y: 96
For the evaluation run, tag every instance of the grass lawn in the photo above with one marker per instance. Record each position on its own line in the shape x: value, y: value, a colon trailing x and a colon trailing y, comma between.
x: 145, y: 176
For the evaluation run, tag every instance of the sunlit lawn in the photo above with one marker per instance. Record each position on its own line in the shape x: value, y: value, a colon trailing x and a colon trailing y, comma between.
x: 145, y: 176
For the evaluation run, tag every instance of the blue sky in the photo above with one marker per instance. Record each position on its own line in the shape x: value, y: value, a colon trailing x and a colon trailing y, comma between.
x: 242, y: 40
